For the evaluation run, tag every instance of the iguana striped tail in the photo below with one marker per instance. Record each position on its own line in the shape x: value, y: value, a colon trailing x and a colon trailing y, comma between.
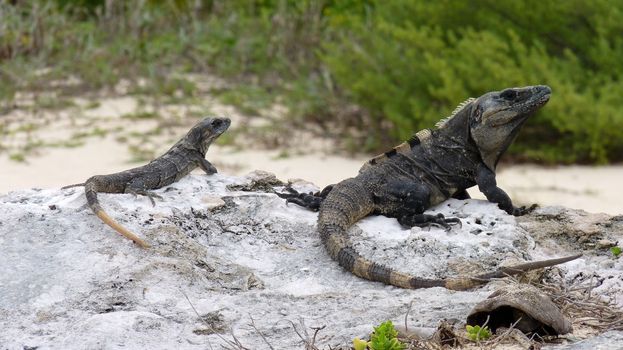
x: 90, y: 189
x: 349, y: 202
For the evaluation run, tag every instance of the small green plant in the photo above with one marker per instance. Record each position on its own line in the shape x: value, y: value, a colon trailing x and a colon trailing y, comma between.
x: 359, y: 344
x: 383, y: 338
x: 249, y: 99
x: 18, y: 157
x: 141, y: 115
x: 53, y: 102
x: 92, y: 105
x: 140, y: 154
x: 616, y: 251
x: 72, y: 143
x: 477, y: 333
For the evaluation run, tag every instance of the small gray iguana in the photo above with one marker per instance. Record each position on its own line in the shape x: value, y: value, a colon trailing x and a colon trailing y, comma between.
x: 187, y: 154
x: 434, y: 165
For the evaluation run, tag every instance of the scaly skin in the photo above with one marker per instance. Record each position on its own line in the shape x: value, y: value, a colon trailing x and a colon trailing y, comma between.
x: 434, y: 165
x: 186, y: 155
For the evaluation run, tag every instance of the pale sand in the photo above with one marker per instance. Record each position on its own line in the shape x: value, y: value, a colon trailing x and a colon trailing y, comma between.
x: 594, y: 189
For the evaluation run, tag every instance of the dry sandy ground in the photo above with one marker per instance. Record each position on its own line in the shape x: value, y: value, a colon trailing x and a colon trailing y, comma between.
x: 595, y: 189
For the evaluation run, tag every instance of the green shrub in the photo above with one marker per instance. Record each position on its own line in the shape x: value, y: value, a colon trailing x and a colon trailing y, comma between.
x: 386, y: 68
x: 412, y: 62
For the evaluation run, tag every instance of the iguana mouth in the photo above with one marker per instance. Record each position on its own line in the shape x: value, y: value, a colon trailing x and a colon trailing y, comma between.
x: 543, y: 96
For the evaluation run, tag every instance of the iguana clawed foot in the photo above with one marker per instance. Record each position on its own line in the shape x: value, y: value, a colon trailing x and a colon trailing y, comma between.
x: 309, y: 200
x: 426, y: 220
x: 523, y: 210
x: 149, y: 194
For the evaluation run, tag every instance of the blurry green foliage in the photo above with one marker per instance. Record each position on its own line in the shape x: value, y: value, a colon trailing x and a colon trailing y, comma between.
x: 387, y: 68
x: 412, y: 61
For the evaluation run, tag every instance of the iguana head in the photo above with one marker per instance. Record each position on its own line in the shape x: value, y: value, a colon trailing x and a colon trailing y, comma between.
x: 201, y: 135
x: 494, y: 119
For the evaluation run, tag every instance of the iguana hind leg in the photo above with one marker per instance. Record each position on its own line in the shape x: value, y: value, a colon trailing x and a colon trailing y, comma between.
x: 410, y: 200
x: 149, y: 194
x: 310, y: 200
x: 461, y: 194
x: 426, y: 220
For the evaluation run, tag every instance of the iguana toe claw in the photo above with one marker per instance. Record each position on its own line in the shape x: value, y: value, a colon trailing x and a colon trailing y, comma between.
x: 523, y: 210
x: 426, y: 220
x: 454, y: 221
x: 310, y: 200
x: 151, y: 197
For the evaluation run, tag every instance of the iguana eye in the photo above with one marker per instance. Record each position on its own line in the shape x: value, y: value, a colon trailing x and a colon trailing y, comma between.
x: 508, y: 94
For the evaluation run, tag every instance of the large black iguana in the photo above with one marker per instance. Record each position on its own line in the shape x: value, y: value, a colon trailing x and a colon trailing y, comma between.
x: 434, y: 165
x: 187, y: 154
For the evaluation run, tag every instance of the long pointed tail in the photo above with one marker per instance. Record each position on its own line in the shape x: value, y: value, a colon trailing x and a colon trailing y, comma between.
x: 72, y: 185
x: 90, y: 190
x: 349, y: 202
x: 462, y: 283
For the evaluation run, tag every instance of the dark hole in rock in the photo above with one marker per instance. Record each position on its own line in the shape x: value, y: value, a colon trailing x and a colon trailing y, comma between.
x: 505, y: 316
x: 531, y: 309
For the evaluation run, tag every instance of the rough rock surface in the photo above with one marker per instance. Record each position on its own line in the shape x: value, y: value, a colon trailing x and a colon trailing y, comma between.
x: 232, y: 266
x: 607, y: 341
x: 523, y: 305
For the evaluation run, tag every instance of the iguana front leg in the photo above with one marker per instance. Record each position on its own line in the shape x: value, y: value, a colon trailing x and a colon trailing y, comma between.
x: 485, y: 178
x: 206, y: 166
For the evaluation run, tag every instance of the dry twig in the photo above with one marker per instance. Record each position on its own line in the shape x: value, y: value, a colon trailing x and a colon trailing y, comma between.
x: 260, y: 333
x: 235, y: 344
x: 310, y: 344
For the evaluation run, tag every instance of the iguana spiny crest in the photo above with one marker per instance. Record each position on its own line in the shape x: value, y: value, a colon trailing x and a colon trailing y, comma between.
x: 493, y: 120
x: 456, y: 110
